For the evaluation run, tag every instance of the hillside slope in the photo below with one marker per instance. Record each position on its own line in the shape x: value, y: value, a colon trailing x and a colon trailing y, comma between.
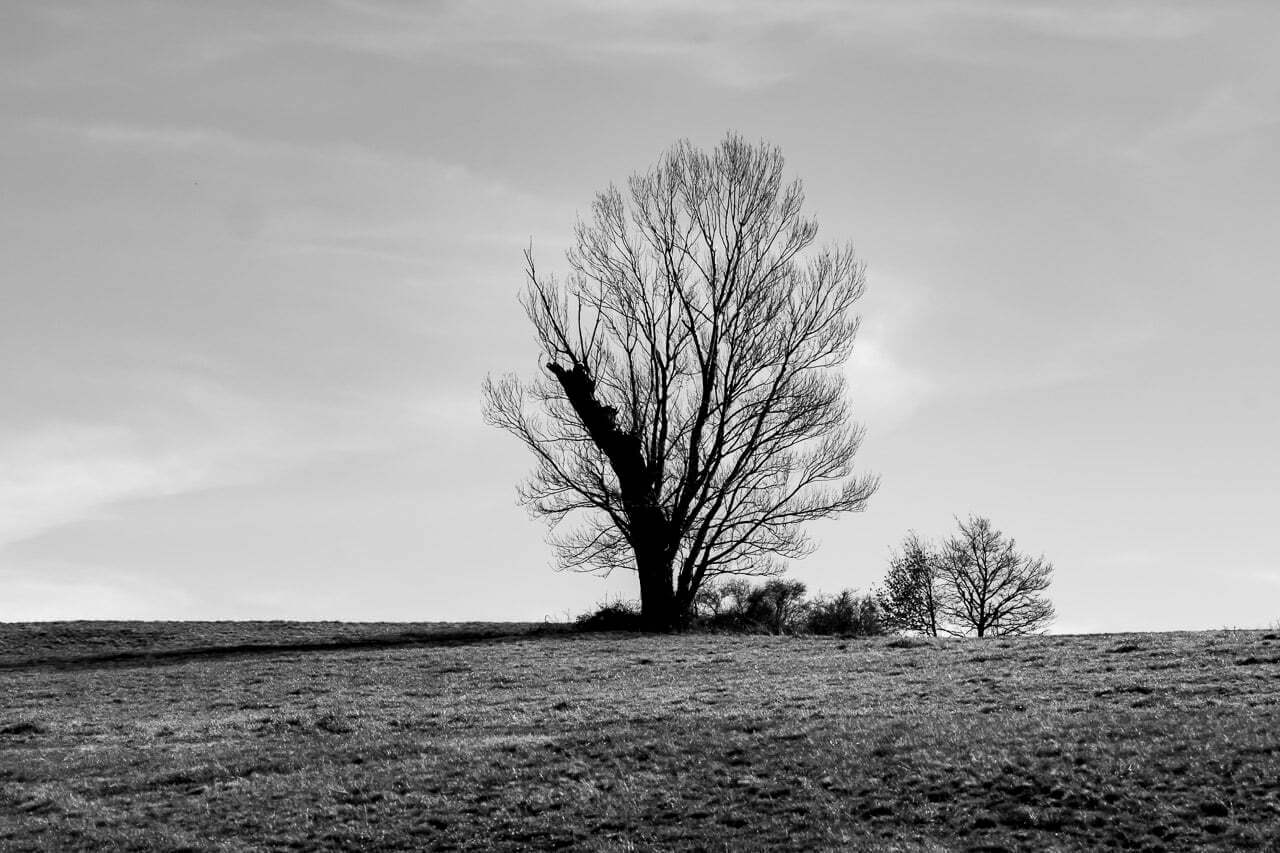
x: 243, y: 736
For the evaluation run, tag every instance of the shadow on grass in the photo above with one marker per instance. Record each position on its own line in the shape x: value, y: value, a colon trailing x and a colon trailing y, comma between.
x: 167, y: 657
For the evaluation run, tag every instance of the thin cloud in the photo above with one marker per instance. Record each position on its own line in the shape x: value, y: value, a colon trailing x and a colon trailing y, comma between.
x: 726, y: 47
x: 178, y: 139
x: 62, y: 475
x: 744, y: 46
x: 193, y: 436
x: 1132, y: 21
x: 1231, y: 111
x: 884, y: 392
x: 406, y: 199
x: 165, y: 138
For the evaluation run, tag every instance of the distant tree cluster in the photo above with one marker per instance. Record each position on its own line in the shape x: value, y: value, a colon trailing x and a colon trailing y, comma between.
x: 776, y: 606
x: 974, y: 583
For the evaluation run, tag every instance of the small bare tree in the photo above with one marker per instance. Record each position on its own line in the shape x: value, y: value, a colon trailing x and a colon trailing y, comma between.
x: 692, y: 416
x: 913, y: 596
x: 994, y: 589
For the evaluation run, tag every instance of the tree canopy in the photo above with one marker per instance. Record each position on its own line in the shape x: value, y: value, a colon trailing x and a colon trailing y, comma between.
x: 691, y: 415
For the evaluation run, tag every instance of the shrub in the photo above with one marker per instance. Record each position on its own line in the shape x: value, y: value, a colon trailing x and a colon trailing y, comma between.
x: 911, y: 642
x: 721, y: 602
x: 774, y: 607
x: 611, y: 616
x: 727, y: 606
x: 846, y: 614
x: 778, y: 606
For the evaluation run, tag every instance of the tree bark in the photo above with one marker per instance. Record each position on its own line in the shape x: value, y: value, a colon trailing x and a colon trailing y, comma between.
x: 659, y: 609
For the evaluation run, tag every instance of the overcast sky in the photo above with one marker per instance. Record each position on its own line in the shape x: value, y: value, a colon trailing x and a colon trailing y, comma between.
x: 258, y: 258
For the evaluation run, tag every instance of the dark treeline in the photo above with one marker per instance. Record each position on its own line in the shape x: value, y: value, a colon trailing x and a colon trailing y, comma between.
x: 775, y: 606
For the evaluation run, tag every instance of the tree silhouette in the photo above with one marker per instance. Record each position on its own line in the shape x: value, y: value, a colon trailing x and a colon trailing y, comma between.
x: 913, y: 595
x: 692, y: 416
x: 995, y: 589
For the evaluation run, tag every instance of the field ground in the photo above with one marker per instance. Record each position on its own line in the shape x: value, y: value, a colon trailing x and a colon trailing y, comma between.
x: 265, y: 736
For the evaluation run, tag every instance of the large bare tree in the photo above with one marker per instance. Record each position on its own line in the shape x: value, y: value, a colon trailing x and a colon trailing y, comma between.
x: 692, y: 414
x: 995, y: 590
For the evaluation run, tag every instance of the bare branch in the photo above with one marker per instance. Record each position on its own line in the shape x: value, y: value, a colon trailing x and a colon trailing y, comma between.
x: 691, y: 410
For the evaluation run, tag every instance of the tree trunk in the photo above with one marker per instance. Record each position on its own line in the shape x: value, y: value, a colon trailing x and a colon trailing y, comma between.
x: 639, y: 484
x: 659, y: 610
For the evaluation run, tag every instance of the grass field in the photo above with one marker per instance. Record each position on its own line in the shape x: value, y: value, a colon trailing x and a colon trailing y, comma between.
x: 244, y: 736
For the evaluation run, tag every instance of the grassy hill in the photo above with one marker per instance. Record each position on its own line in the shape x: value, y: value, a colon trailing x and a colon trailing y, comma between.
x: 243, y: 736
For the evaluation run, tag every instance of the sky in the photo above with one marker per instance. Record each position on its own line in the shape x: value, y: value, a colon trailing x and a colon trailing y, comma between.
x: 258, y: 259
